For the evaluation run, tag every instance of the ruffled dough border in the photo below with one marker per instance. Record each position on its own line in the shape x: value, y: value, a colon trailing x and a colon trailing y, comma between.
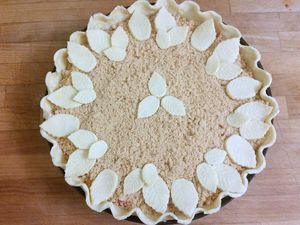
x: 189, y: 10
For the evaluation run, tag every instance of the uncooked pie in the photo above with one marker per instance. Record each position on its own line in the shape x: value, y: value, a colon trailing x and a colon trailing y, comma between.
x: 158, y: 111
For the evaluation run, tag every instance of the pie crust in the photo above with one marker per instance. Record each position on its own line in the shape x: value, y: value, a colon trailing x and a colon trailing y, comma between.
x: 82, y: 51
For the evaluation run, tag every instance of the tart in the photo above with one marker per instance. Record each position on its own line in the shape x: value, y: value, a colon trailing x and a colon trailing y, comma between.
x: 158, y: 111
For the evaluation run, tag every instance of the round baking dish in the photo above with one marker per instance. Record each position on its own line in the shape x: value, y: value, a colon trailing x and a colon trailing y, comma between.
x: 225, y: 200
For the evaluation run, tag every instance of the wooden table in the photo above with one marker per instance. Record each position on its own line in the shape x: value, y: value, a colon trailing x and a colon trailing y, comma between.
x: 32, y: 191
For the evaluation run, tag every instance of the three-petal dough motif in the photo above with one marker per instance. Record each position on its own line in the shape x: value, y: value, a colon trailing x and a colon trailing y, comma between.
x: 214, y: 174
x: 89, y: 148
x: 114, y: 47
x: 222, y: 62
x: 158, y: 89
x: 250, y: 119
x: 80, y: 92
x: 155, y: 190
x: 168, y: 33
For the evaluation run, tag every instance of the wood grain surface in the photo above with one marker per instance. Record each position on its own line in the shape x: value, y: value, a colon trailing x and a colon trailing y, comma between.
x: 33, y: 191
